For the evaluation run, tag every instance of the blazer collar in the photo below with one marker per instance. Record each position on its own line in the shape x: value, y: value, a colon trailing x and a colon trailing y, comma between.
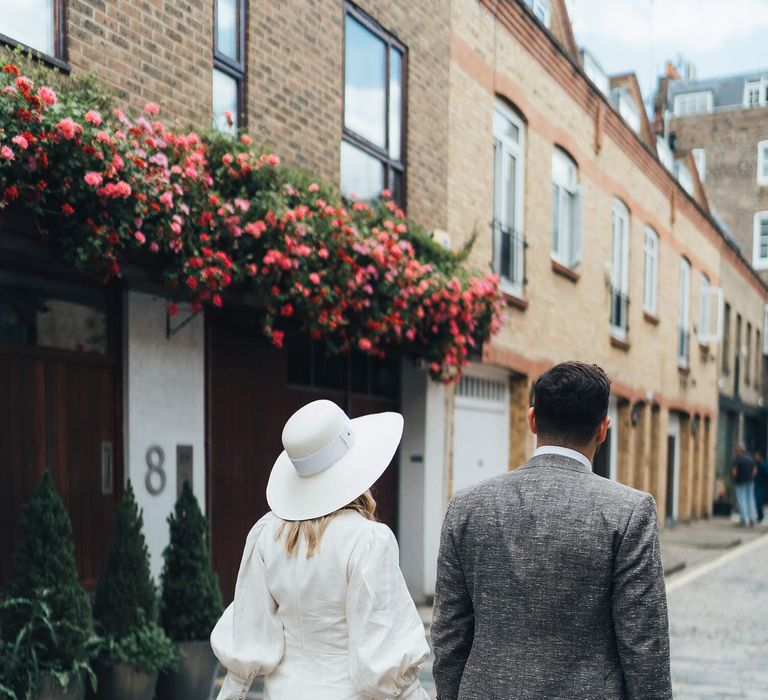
x: 558, y: 462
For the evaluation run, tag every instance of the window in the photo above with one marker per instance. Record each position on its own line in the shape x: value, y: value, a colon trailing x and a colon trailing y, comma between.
x: 693, y: 103
x: 709, y: 325
x: 623, y: 102
x: 727, y: 339
x: 651, y: 276
x: 748, y: 358
x: 35, y: 24
x: 762, y: 163
x: 619, y: 270
x: 665, y: 153
x: 760, y: 241
x: 508, y: 178
x: 228, y: 65
x: 374, y: 104
x: 756, y: 92
x: 566, y: 206
x: 541, y: 9
x: 684, y: 311
x: 595, y: 72
x: 684, y: 176
x: 700, y: 157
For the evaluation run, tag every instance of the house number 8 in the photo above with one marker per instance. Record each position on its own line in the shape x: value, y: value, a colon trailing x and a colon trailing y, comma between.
x: 155, y: 459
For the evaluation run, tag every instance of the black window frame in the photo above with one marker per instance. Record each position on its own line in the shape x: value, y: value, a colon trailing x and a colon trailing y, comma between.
x: 354, y: 139
x: 236, y: 69
x: 59, y: 58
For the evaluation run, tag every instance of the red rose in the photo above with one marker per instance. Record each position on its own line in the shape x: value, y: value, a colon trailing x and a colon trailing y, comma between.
x: 173, y: 309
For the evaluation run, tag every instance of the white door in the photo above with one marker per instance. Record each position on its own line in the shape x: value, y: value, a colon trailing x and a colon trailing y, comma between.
x: 480, y: 429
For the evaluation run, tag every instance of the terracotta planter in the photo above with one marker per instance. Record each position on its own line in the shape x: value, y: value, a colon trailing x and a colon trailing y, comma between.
x: 194, y: 677
x: 51, y: 690
x: 123, y: 682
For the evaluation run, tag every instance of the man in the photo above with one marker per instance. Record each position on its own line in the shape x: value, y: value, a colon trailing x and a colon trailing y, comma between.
x: 743, y: 471
x: 761, y: 485
x: 549, y: 581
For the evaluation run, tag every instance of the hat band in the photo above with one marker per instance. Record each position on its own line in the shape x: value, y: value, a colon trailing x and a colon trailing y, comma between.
x: 326, y: 456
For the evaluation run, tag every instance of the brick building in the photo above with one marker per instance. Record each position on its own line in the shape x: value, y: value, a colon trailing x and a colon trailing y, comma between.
x: 722, y: 124
x: 483, y: 119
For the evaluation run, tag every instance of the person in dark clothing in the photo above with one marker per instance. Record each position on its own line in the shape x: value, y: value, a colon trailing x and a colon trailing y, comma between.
x: 743, y: 471
x: 761, y: 484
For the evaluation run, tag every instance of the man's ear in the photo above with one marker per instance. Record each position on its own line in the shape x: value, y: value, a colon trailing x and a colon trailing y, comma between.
x: 532, y: 420
x: 602, y: 431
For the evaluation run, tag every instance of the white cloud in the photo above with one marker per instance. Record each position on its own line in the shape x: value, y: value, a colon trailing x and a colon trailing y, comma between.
x: 689, y: 25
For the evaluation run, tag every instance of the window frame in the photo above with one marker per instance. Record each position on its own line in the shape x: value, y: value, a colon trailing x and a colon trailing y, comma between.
x: 687, y: 97
x: 748, y: 358
x: 762, y: 162
x: 651, y: 252
x: 726, y: 347
x: 503, y: 147
x: 759, y: 262
x: 620, y: 269
x: 700, y: 158
x: 59, y: 58
x: 360, y: 142
x: 567, y: 254
x: 761, y: 84
x: 684, y: 315
x: 233, y: 68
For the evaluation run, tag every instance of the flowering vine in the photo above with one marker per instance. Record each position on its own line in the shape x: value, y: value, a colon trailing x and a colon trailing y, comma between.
x: 219, y: 214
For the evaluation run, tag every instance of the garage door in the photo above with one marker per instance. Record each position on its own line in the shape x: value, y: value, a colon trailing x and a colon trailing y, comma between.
x: 480, y: 429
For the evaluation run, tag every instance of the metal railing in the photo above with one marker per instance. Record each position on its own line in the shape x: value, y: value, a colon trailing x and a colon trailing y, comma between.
x: 509, y: 253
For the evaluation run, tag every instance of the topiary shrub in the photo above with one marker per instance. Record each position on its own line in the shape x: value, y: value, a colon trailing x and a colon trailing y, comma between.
x: 126, y: 607
x: 191, y: 602
x: 45, y: 619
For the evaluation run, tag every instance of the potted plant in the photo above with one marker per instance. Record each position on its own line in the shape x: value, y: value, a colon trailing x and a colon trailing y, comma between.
x: 133, y: 647
x: 45, y: 617
x: 190, y: 602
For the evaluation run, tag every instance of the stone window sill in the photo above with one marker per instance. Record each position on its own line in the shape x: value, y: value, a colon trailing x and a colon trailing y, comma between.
x: 514, y: 300
x: 651, y: 318
x: 620, y: 343
x: 566, y: 272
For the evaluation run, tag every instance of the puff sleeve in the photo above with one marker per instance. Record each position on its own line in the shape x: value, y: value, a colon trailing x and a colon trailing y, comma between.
x: 248, y: 639
x: 386, y: 635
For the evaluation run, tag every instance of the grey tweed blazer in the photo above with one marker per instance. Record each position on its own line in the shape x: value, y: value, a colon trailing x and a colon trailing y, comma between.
x: 550, y: 585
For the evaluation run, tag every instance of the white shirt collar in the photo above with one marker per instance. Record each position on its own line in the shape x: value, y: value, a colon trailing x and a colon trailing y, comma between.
x: 564, y: 452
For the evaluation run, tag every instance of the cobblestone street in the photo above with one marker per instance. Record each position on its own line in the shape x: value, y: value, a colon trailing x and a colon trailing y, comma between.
x: 719, y: 626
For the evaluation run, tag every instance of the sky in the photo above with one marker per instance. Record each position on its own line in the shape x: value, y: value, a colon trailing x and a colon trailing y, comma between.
x: 719, y: 37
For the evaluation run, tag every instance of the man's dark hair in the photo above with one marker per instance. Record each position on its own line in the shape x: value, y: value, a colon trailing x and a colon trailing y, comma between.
x: 570, y: 400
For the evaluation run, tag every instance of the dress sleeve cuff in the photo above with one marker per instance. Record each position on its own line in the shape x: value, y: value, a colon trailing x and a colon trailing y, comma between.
x: 234, y: 687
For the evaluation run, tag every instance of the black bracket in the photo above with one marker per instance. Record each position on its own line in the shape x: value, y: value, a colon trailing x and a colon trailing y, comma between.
x: 170, y: 330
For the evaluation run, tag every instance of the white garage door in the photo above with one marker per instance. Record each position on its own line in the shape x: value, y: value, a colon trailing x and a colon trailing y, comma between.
x: 480, y: 429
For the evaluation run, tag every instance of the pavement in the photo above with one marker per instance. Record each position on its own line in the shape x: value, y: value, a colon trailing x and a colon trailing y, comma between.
x: 717, y: 586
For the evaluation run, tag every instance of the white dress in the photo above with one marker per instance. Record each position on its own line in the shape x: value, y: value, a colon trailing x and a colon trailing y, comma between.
x: 337, y: 626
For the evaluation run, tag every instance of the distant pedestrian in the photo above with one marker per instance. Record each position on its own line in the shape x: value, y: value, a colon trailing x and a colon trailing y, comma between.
x: 549, y: 579
x: 743, y: 471
x: 761, y: 484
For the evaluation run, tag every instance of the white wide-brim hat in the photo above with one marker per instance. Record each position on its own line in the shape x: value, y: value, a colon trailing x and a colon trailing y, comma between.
x: 329, y: 459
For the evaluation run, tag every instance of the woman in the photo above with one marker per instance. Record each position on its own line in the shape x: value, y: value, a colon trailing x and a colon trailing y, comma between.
x: 321, y: 609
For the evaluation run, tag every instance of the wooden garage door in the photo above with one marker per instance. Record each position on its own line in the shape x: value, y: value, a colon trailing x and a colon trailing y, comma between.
x: 59, y: 410
x: 253, y: 388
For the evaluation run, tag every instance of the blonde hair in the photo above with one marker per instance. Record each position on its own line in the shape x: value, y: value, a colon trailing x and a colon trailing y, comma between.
x: 311, y: 531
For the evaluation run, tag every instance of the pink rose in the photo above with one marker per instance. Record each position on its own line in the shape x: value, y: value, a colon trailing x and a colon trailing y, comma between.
x: 67, y: 128
x: 364, y: 344
x: 21, y: 142
x: 314, y: 278
x: 6, y: 153
x: 314, y: 187
x: 151, y: 108
x: 93, y: 117
x: 273, y: 159
x: 139, y: 236
x: 47, y: 95
x: 93, y: 179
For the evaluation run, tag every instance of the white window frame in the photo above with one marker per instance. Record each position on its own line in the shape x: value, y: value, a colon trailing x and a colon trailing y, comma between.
x: 761, y: 86
x: 542, y: 10
x: 505, y: 147
x: 759, y: 262
x: 700, y: 158
x: 693, y: 103
x: 762, y: 163
x: 566, y: 250
x: 620, y: 225
x: 651, y: 272
x: 684, y: 315
x: 710, y: 298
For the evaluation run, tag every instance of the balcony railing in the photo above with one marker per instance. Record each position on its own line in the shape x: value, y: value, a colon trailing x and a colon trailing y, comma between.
x: 683, y: 347
x: 509, y: 254
x: 619, y: 312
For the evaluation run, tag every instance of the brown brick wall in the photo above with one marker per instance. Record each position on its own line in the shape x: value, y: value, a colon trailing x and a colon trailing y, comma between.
x: 730, y: 140
x: 147, y: 51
